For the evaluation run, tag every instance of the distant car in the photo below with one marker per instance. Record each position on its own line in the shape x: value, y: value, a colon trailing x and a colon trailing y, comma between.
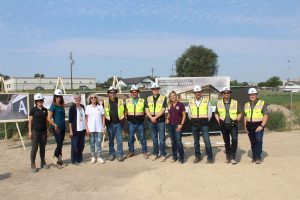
x: 83, y: 87
x: 39, y: 88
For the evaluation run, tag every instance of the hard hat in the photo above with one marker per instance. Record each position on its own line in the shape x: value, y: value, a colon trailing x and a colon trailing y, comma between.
x: 197, y: 88
x: 154, y: 86
x: 58, y: 92
x: 38, y: 96
x: 252, y: 91
x: 112, y: 88
x: 134, y: 88
x: 225, y: 89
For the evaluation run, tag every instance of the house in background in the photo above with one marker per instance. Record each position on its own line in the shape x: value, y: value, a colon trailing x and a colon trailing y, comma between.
x: 141, y: 82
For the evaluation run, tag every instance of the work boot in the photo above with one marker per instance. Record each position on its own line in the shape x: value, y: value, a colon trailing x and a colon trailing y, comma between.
x: 258, y: 161
x: 44, y: 165
x: 145, y: 155
x: 233, y: 161
x: 196, y: 160
x: 111, y: 157
x: 173, y: 160
x: 209, y: 161
x: 33, y: 168
x: 120, y: 159
x: 154, y: 157
x: 130, y: 154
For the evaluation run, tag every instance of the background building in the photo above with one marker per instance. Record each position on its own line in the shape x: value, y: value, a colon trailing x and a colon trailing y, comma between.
x: 141, y: 82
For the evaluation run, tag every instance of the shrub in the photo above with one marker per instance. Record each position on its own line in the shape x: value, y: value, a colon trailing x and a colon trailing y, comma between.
x: 277, y: 120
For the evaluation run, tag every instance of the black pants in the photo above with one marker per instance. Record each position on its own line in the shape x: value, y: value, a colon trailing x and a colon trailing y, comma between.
x: 39, y: 138
x: 59, y: 138
x: 227, y: 131
x: 77, y: 146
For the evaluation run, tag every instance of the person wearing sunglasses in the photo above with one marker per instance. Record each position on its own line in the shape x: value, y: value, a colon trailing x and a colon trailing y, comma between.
x: 228, y: 114
x: 135, y: 112
x: 114, y: 114
x: 56, y: 117
x: 256, y: 118
x: 200, y: 112
x: 155, y: 109
x: 38, y: 131
x: 95, y: 122
x: 77, y: 127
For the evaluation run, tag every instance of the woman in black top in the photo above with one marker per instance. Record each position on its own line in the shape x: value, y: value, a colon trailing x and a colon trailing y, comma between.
x: 38, y: 131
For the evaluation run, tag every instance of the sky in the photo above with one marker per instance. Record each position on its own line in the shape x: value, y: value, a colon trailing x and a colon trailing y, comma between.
x: 254, y: 39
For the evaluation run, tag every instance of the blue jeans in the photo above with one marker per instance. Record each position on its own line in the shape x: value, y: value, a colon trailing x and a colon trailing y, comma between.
x: 139, y: 127
x: 95, y: 137
x: 176, y: 142
x: 256, y: 140
x: 77, y: 146
x: 158, y: 129
x: 115, y: 130
x: 196, y: 133
x: 59, y: 139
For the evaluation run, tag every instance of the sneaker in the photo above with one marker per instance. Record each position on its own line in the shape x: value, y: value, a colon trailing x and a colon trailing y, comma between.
x: 33, y: 168
x: 154, y: 157
x: 120, y: 159
x: 111, y: 157
x: 173, y: 160
x: 100, y: 160
x: 145, y: 155
x: 55, y: 160
x: 130, y: 154
x: 163, y: 158
x: 93, y: 160
x: 209, y: 161
x: 233, y: 161
x: 258, y: 161
x: 196, y: 160
x: 44, y: 166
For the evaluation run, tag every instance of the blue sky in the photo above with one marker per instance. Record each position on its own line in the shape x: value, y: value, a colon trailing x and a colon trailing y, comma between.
x: 254, y: 39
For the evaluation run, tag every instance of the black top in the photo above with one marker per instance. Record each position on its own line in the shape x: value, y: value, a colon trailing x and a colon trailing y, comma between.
x: 161, y: 118
x: 73, y: 117
x: 113, y: 111
x: 39, y: 117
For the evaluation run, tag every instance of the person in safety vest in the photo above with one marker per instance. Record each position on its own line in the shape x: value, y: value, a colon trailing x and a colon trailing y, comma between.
x: 256, y: 117
x: 135, y: 112
x: 228, y: 114
x: 155, y: 109
x: 114, y: 115
x: 200, y: 113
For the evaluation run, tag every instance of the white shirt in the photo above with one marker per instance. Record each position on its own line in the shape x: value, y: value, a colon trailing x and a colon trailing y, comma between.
x: 81, y: 125
x: 198, y: 102
x: 94, y: 116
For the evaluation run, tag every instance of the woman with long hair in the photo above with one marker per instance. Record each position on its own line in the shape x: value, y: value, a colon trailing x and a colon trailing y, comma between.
x: 175, y: 120
x: 56, y: 118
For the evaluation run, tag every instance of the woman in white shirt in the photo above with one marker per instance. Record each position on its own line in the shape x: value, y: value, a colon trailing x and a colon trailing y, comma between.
x: 95, y: 121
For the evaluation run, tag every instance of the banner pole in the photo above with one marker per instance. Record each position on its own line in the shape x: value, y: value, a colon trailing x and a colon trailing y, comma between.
x: 20, y: 135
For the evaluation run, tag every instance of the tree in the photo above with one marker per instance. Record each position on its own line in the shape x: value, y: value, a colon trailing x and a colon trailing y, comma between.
x: 5, y: 76
x: 109, y: 81
x: 236, y: 83
x: 37, y: 75
x: 274, y: 81
x: 197, y: 61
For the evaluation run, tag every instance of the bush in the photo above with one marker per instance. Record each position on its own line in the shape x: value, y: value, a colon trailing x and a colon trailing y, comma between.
x: 277, y: 120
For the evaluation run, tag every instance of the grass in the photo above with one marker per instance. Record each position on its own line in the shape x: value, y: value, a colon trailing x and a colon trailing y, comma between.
x: 281, y: 98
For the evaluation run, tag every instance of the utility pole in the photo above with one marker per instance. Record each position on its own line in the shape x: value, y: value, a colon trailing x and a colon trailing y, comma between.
x: 71, y: 65
x: 152, y: 70
x: 172, y: 75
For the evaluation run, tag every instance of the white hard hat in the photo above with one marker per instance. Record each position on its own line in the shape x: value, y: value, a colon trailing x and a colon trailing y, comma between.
x: 155, y: 85
x: 225, y: 89
x: 197, y: 88
x: 134, y: 88
x: 252, y: 91
x: 38, y: 96
x: 58, y: 92
x: 112, y: 88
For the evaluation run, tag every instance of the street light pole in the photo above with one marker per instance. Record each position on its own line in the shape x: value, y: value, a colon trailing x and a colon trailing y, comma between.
x: 71, y: 65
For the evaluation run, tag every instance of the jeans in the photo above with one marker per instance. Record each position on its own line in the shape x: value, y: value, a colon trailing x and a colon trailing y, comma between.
x: 139, y: 127
x: 196, y: 133
x: 256, y: 140
x: 227, y: 131
x: 39, y: 138
x: 115, y: 130
x: 59, y: 138
x: 95, y: 137
x: 176, y: 141
x: 158, y: 129
x: 77, y: 146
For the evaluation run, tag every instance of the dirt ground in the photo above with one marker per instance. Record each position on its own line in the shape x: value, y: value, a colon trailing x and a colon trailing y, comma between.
x: 278, y: 177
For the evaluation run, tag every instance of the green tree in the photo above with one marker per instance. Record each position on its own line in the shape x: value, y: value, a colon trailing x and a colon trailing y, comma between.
x: 5, y: 76
x: 197, y: 61
x: 236, y: 83
x: 274, y: 81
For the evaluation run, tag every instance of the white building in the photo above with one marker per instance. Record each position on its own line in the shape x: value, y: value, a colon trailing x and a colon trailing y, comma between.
x: 141, y: 82
x: 47, y: 83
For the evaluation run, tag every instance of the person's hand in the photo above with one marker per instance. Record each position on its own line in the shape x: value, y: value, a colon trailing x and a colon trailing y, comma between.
x: 87, y: 132
x: 259, y: 128
x: 167, y: 121
x: 48, y: 133
x: 71, y: 134
x: 56, y: 128
x: 30, y: 135
x: 246, y: 130
x: 103, y: 130
x: 153, y: 120
x: 179, y: 127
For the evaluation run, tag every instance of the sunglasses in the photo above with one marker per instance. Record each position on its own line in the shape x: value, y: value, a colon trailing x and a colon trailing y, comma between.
x: 112, y: 93
x: 155, y: 89
x: 41, y: 100
x: 93, y: 97
x: 134, y: 92
x: 226, y: 92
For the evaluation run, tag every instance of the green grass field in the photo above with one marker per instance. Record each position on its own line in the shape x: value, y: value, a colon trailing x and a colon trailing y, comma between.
x: 281, y: 98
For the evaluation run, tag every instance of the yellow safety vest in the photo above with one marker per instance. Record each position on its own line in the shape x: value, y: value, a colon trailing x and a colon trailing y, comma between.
x: 120, y: 109
x: 255, y: 115
x: 158, y: 106
x: 201, y: 111
x: 135, y: 110
x: 233, y: 108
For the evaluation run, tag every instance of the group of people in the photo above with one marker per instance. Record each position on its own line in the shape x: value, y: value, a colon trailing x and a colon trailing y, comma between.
x: 97, y: 118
